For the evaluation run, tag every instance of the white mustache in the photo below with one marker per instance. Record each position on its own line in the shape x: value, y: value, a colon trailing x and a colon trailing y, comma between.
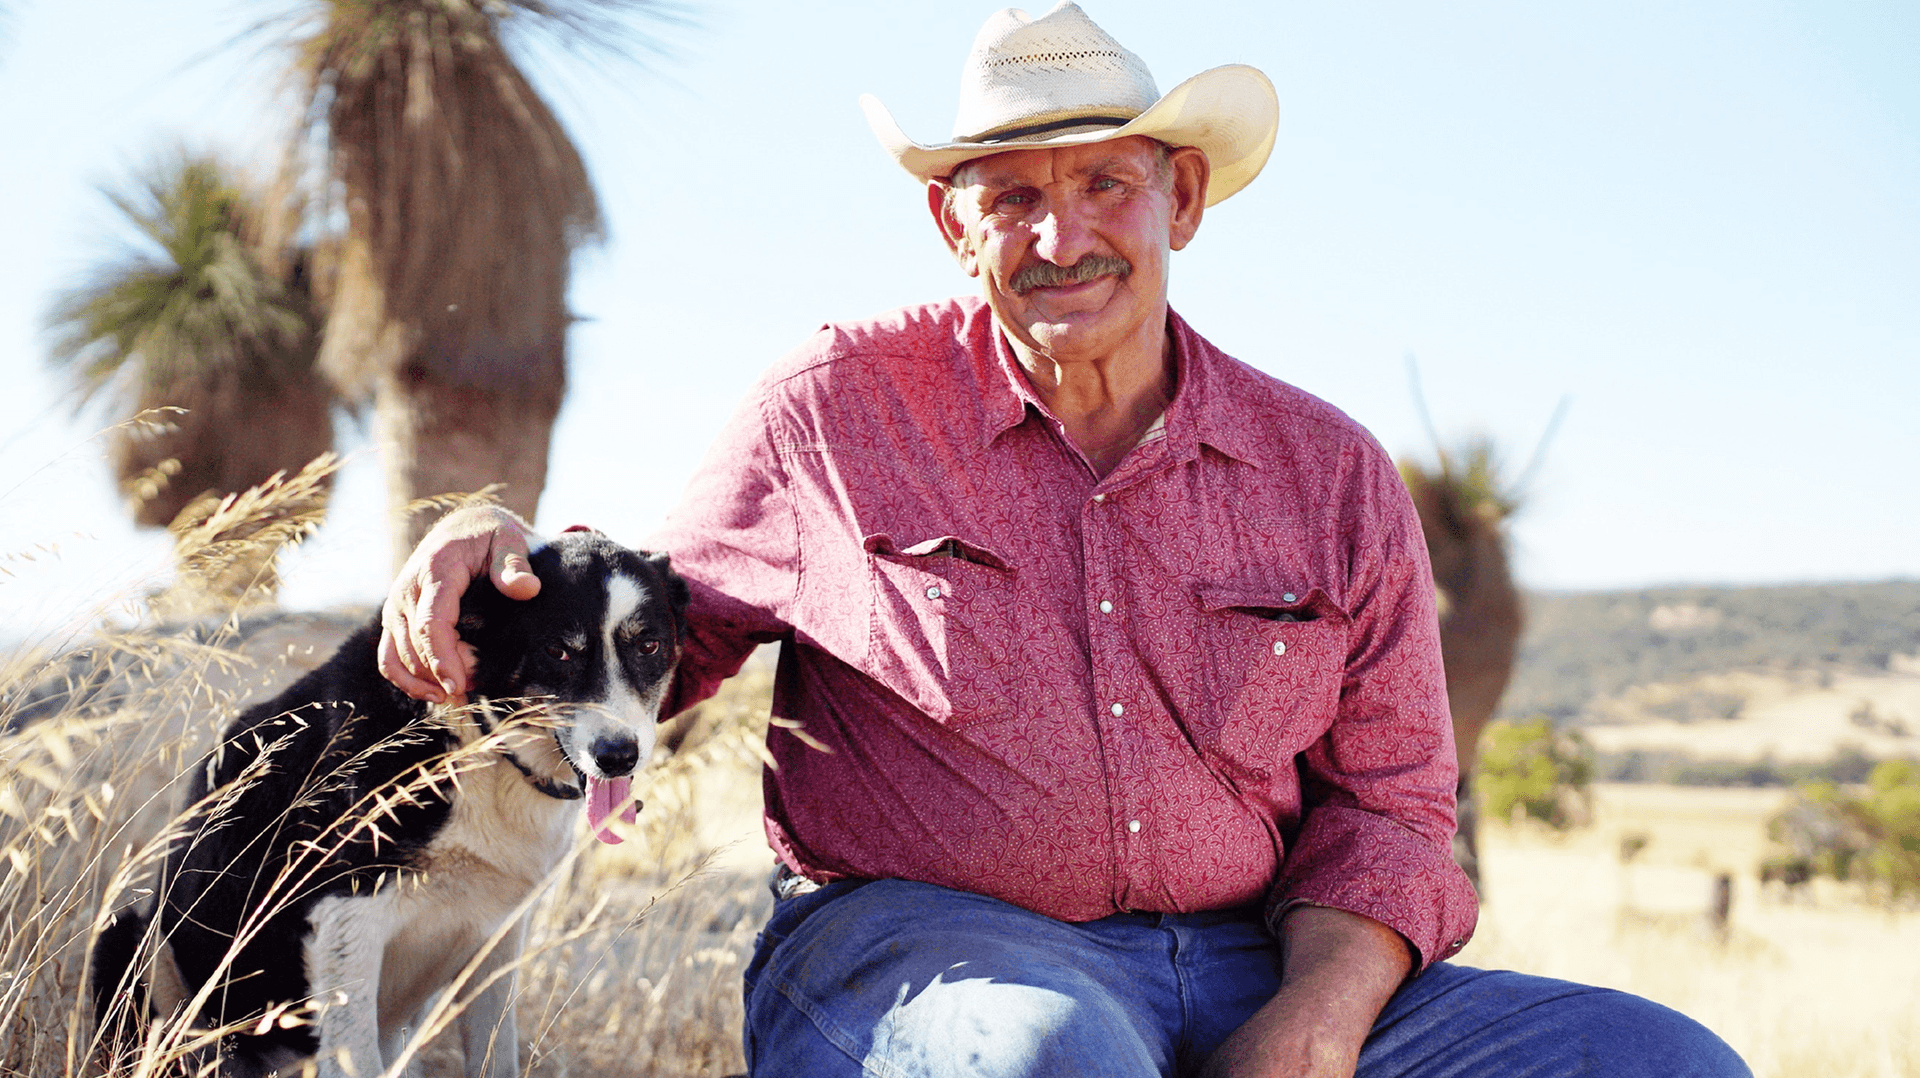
x: 1048, y: 275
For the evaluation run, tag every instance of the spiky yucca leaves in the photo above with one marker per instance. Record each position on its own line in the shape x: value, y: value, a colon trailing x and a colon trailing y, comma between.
x: 465, y: 200
x: 207, y: 347
x: 1463, y: 504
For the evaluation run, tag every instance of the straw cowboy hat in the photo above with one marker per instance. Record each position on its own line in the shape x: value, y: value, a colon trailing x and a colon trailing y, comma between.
x: 1059, y: 80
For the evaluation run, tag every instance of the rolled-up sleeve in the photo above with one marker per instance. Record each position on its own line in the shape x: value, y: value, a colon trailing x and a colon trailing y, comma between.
x: 1377, y: 837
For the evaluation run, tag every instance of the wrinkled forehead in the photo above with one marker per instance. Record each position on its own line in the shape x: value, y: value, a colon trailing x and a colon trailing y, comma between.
x: 1014, y: 167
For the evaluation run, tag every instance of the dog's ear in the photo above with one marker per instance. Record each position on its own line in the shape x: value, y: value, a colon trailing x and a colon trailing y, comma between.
x: 678, y: 593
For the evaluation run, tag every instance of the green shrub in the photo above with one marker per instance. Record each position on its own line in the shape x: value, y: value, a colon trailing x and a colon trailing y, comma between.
x: 1529, y: 770
x: 1872, y: 836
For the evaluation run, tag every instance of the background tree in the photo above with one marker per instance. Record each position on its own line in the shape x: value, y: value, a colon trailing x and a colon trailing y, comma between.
x: 206, y: 341
x: 1869, y: 834
x: 1530, y: 770
x: 1463, y: 509
x: 464, y: 201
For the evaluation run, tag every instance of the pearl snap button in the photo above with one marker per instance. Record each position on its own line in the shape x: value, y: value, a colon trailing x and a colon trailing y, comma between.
x: 1279, y: 647
x: 933, y: 593
x: 1118, y: 711
x: 1133, y: 826
x: 1099, y: 497
x: 1106, y: 607
x: 1288, y: 598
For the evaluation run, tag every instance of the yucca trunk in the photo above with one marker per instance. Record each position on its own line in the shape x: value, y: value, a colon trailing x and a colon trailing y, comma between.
x: 234, y: 434
x: 439, y: 435
x: 1463, y: 511
x: 1479, y: 641
x: 464, y: 203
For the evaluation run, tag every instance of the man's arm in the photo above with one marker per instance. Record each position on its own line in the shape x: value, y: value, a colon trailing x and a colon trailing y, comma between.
x: 1338, y: 969
x: 420, y: 650
x: 1369, y: 892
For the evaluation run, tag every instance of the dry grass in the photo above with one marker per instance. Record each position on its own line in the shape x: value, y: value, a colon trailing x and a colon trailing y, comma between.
x: 637, y: 949
x: 1805, y: 986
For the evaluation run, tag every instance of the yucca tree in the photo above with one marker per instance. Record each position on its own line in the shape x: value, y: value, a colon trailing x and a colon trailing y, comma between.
x: 207, y: 337
x: 1464, y: 505
x: 464, y: 202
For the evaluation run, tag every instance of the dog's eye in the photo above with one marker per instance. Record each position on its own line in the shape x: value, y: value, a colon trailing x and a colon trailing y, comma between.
x: 559, y: 653
x: 647, y: 647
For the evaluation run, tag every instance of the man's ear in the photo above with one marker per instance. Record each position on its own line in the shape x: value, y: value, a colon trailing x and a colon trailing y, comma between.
x: 1191, y: 171
x: 951, y: 230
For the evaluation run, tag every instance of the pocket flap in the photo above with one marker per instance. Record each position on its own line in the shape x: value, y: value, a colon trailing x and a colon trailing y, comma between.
x: 945, y: 546
x: 1267, y: 601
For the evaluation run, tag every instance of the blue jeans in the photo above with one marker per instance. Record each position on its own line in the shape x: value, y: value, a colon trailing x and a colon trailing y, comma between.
x: 907, y: 980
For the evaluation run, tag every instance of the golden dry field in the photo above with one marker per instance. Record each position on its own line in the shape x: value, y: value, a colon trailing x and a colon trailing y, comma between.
x: 1805, y: 986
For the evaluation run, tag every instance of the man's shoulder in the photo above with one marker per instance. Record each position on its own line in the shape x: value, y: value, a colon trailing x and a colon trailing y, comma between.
x: 1267, y: 416
x: 935, y: 332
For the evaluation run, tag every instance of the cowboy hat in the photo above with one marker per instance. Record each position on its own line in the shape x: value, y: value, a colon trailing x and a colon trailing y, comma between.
x: 1060, y: 80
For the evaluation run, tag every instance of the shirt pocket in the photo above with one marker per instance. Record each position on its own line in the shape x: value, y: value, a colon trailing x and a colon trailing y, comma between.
x: 1272, y: 664
x: 943, y: 616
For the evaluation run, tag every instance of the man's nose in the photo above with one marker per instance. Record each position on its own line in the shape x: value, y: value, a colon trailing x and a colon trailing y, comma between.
x: 1062, y: 236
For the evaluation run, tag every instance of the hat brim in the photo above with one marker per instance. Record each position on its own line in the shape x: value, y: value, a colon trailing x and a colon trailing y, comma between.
x: 1231, y: 113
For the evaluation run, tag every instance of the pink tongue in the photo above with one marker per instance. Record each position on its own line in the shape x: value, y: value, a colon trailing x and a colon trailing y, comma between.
x: 602, y: 796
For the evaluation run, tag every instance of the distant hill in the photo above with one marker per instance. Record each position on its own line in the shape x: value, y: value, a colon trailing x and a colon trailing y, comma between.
x: 1586, y: 645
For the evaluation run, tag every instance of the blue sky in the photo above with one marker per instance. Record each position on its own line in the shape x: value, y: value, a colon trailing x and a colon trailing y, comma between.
x: 1700, y: 222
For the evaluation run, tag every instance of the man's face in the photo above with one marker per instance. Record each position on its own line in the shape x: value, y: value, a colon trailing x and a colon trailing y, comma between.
x: 1113, y: 210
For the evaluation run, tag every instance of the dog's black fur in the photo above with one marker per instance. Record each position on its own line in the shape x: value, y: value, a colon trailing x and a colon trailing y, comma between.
x: 338, y: 786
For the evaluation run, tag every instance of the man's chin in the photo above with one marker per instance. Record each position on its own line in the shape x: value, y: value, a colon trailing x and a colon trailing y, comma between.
x: 1070, y: 337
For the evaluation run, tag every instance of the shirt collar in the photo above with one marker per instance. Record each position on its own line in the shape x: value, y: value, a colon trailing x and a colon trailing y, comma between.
x: 1203, y: 408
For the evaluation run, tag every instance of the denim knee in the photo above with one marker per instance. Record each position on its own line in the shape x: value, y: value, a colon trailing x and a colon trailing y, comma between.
x: 907, y: 981
x: 1459, y: 1022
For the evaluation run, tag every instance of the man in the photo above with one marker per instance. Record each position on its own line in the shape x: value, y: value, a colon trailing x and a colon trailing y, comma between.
x: 1123, y: 655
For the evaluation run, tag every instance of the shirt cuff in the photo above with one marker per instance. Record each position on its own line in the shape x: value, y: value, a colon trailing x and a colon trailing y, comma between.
x: 1354, y: 860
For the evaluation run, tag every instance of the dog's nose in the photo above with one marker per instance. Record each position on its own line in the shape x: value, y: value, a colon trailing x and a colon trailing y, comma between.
x: 615, y: 756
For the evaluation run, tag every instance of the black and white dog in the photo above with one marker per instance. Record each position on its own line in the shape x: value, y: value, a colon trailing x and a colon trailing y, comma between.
x: 352, y: 849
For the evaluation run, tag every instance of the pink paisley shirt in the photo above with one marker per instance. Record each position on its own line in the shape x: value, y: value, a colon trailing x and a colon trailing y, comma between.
x: 1211, y: 678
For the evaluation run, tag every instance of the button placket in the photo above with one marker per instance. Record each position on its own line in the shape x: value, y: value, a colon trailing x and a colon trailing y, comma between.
x: 1113, y: 676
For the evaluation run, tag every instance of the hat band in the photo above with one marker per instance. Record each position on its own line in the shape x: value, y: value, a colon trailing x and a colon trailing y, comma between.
x: 1054, y: 125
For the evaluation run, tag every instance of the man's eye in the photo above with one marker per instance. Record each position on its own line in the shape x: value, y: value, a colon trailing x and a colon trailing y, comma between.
x: 559, y: 653
x: 647, y: 647
x: 1105, y: 183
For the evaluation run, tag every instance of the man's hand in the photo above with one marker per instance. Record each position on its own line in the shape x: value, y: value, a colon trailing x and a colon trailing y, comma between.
x: 1339, y: 970
x: 420, y: 650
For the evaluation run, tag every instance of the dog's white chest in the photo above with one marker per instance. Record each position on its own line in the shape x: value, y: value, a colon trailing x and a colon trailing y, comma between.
x: 498, y: 846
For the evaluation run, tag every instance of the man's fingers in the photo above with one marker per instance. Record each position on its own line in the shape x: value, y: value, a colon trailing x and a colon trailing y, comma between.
x: 420, y: 644
x: 400, y: 665
x: 397, y: 659
x: 435, y: 639
x: 512, y: 572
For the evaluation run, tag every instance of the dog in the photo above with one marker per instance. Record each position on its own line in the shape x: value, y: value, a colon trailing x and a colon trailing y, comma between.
x: 351, y: 850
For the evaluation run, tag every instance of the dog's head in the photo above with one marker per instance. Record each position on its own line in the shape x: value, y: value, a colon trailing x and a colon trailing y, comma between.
x: 592, y: 653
